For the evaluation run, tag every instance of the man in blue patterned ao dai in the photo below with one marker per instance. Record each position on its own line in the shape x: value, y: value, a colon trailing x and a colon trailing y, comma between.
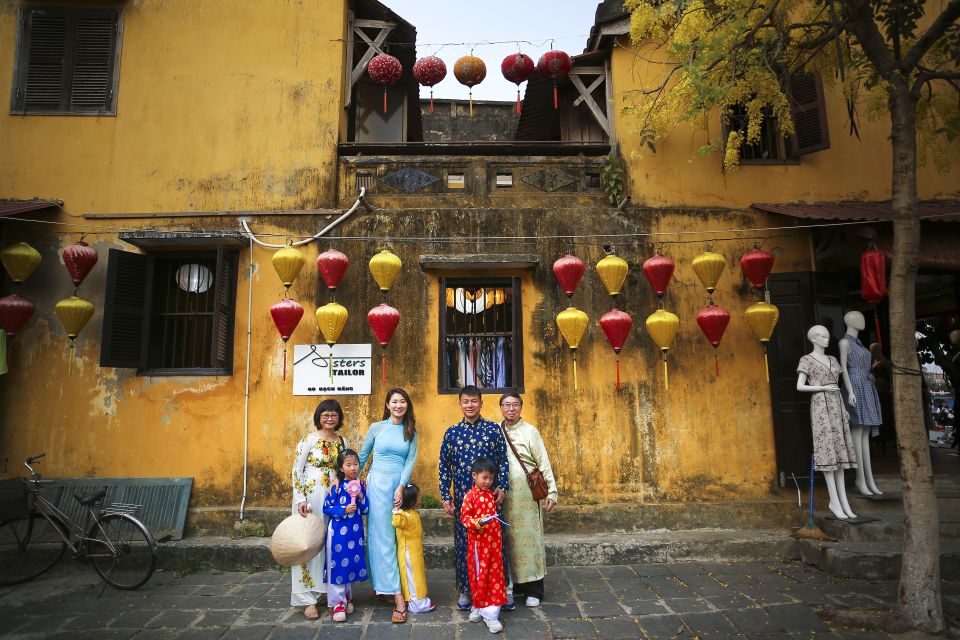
x: 463, y: 443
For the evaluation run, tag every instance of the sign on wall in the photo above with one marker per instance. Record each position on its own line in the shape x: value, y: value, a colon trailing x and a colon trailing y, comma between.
x: 312, y: 375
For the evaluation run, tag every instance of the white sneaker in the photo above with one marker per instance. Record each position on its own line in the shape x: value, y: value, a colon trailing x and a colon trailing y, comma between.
x: 464, y: 601
x: 475, y: 616
x: 493, y: 625
x: 533, y: 602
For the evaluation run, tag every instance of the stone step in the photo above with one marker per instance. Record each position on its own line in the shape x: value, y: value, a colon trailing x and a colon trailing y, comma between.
x: 887, y: 528
x: 225, y: 554
x: 875, y: 560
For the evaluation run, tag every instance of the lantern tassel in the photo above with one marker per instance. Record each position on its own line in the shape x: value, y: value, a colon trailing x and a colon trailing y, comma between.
x: 384, y: 99
x: 383, y: 368
x: 70, y: 360
x: 716, y: 361
x: 575, y: 387
x: 284, y: 360
x: 556, y: 101
x: 331, y: 363
x: 618, y: 375
x: 431, y: 100
x: 518, y: 101
x: 666, y: 374
x: 471, y: 103
x: 766, y: 363
x: 876, y: 323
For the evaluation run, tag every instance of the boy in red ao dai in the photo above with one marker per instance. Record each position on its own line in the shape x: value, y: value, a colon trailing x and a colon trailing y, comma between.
x: 484, y: 547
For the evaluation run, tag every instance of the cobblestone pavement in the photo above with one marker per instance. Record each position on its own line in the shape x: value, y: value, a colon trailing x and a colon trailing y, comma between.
x: 767, y: 600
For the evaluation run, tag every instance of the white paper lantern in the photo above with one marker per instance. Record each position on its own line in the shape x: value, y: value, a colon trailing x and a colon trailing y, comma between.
x: 194, y: 278
x: 297, y: 540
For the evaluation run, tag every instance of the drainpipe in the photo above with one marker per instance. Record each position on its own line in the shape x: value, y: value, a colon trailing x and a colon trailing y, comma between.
x: 246, y: 399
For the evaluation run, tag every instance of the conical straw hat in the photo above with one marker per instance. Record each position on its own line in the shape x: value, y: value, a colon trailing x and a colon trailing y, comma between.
x: 297, y: 540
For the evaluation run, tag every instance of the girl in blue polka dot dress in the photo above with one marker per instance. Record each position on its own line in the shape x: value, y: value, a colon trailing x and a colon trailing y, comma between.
x: 346, y: 560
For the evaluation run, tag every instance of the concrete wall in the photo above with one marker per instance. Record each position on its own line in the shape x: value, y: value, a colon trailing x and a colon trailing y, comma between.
x: 451, y: 121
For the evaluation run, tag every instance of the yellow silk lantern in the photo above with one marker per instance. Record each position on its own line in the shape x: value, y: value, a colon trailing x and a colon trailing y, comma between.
x: 385, y: 267
x: 573, y: 323
x: 288, y: 262
x: 74, y: 314
x: 613, y: 273
x: 331, y: 318
x: 709, y: 267
x: 762, y: 318
x: 662, y: 327
x: 20, y: 260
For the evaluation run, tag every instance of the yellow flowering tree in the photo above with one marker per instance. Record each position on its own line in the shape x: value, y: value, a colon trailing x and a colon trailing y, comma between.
x: 721, y: 55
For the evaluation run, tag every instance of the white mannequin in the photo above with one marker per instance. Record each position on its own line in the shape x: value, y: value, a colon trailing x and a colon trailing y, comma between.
x: 861, y: 433
x: 820, y: 338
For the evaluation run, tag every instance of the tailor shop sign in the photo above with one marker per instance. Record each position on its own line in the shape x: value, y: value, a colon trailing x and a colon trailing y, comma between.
x: 349, y: 375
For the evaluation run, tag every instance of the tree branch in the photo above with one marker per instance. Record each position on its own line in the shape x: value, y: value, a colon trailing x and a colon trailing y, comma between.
x: 863, y: 25
x: 943, y: 22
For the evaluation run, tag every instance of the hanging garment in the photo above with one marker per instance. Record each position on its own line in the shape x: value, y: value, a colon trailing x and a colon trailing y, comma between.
x: 500, y: 366
x: 867, y: 411
x: 485, y: 371
x: 832, y: 442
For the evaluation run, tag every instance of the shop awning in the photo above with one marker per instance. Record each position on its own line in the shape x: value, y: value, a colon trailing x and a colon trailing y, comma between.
x: 839, y: 211
x: 17, y: 207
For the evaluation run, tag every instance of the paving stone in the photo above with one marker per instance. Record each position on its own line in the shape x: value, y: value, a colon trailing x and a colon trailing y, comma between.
x: 232, y: 602
x: 526, y: 629
x: 618, y: 571
x: 263, y: 616
x: 730, y: 600
x: 433, y: 632
x: 681, y: 569
x: 605, y: 609
x: 473, y: 631
x: 661, y: 626
x: 210, y: 633
x: 388, y: 632
x: 753, y: 620
x: 708, y: 624
x: 647, y: 607
x: 97, y: 619
x: 255, y: 589
x: 643, y: 570
x: 577, y: 629
x: 616, y: 628
x: 134, y: 619
x: 157, y: 634
x: 100, y: 634
x: 217, y: 618
x: 173, y: 618
x: 688, y: 605
x: 863, y: 635
x: 554, y: 610
x: 247, y: 633
x: 669, y: 587
x: 797, y: 617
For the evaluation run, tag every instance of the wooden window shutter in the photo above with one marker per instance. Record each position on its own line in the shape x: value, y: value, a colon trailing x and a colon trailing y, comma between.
x: 223, y: 310
x: 125, y: 310
x: 43, y: 53
x: 93, y: 61
x: 809, y: 113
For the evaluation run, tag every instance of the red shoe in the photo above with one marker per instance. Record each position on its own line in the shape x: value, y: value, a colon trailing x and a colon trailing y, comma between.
x: 339, y: 613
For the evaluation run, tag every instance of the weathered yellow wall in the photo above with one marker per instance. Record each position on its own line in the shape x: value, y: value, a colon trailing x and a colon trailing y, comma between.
x: 850, y: 169
x: 221, y: 106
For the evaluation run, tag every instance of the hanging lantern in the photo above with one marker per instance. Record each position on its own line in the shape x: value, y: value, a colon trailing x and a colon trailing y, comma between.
x: 568, y: 270
x: 517, y: 68
x: 762, y: 318
x: 713, y: 322
x: 554, y: 65
x: 332, y: 265
x: 383, y: 320
x: 573, y: 323
x: 74, y: 314
x: 384, y: 69
x: 288, y: 262
x: 873, y: 282
x: 659, y: 270
x: 662, y: 327
x: 286, y: 315
x: 79, y: 258
x: 384, y: 267
x: 616, y: 326
x: 20, y: 260
x: 15, y: 313
x: 613, y: 273
x: 756, y: 265
x: 429, y: 71
x: 331, y: 319
x: 470, y: 71
x: 709, y: 267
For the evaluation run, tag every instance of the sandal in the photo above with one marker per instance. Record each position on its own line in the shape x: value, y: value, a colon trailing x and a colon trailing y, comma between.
x: 310, y: 612
x: 398, y: 617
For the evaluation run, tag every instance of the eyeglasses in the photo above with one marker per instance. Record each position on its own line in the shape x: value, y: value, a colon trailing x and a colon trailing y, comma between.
x: 329, y: 416
x: 511, y: 405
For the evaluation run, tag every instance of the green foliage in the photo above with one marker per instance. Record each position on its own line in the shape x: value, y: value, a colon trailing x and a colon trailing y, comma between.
x: 249, y: 530
x: 428, y: 501
x: 187, y: 564
x: 613, y: 175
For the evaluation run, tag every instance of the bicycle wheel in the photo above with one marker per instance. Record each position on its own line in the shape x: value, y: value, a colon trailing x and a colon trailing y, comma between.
x: 121, y: 550
x: 29, y: 545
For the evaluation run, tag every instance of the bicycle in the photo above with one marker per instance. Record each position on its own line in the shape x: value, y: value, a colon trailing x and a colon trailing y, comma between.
x: 35, y: 537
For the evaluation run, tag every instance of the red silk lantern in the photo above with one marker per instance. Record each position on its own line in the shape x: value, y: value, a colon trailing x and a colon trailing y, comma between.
x: 756, y: 264
x: 79, y: 258
x: 429, y: 71
x: 554, y: 65
x: 469, y: 71
x: 384, y: 69
x: 517, y: 68
x: 383, y: 320
x: 616, y: 326
x: 713, y: 322
x: 873, y: 282
x: 568, y: 271
x: 286, y: 315
x: 332, y: 265
x: 659, y: 270
x: 15, y: 313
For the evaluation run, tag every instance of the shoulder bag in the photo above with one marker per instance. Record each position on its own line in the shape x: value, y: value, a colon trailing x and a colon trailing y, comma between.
x: 535, y: 479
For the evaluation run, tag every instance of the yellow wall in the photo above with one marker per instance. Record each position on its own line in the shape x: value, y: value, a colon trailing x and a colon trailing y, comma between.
x: 851, y: 169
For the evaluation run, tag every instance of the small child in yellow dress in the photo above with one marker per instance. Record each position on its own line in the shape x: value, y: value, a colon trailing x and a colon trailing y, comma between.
x: 413, y: 577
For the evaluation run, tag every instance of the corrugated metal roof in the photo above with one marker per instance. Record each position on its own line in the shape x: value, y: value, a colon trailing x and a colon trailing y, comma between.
x: 933, y: 211
x: 16, y: 207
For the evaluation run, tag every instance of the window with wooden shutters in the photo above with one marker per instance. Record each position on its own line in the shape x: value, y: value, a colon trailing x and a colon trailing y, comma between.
x: 67, y: 61
x: 170, y: 313
x: 809, y: 113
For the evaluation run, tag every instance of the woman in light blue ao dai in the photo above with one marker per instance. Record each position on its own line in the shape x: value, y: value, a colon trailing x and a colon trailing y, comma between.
x: 392, y: 443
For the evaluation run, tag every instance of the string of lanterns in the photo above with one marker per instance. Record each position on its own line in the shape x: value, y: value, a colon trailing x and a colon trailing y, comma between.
x: 383, y: 319
x: 662, y: 325
x: 75, y: 312
x: 470, y: 71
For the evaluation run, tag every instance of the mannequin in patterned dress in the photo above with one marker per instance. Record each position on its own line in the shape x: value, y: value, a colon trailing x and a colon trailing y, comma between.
x: 833, y: 449
x: 862, y: 398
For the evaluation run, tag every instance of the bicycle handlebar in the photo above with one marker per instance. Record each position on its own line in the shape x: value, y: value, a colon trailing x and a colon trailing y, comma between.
x: 33, y: 459
x: 29, y: 461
